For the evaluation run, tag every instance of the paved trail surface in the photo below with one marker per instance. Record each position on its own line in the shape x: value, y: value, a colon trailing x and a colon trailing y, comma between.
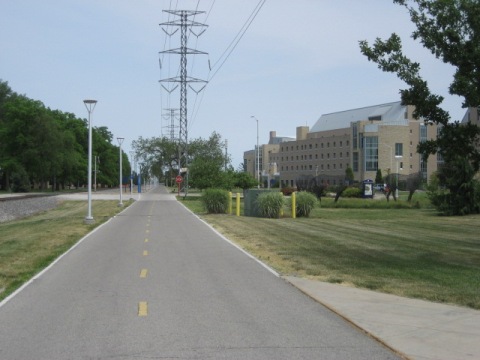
x: 157, y: 283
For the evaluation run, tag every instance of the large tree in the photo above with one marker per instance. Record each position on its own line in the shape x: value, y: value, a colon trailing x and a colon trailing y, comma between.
x: 451, y: 31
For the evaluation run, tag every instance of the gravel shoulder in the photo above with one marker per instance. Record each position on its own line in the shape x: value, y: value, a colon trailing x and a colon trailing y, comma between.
x: 17, y: 208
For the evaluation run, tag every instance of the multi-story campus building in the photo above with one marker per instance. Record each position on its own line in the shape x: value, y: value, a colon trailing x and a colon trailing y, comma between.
x: 377, y: 137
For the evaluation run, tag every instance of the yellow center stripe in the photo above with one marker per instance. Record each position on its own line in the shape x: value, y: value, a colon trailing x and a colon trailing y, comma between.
x: 143, y: 273
x: 145, y: 252
x: 142, y: 308
x: 146, y: 240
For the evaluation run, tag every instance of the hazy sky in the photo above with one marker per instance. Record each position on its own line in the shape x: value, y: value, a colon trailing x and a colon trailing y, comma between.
x: 297, y: 60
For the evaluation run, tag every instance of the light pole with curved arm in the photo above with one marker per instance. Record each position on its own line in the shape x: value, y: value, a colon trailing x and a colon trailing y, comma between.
x: 90, y: 105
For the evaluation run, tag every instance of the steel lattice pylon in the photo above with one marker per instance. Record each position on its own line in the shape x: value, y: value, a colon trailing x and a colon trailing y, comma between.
x: 184, y: 23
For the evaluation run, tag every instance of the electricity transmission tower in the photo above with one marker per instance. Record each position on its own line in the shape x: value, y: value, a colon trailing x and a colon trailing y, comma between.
x: 184, y: 23
x: 172, y: 116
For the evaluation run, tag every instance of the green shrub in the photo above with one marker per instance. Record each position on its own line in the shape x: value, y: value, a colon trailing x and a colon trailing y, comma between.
x: 305, y: 202
x: 215, y: 201
x: 270, y: 204
x: 352, y: 192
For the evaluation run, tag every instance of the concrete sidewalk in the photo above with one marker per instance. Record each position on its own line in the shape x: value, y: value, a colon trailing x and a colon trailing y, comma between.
x: 414, y: 328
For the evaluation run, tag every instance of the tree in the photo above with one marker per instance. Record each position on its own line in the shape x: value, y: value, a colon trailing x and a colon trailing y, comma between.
x: 349, y: 175
x: 451, y: 31
x: 207, y: 164
x: 244, y: 180
x: 378, y: 177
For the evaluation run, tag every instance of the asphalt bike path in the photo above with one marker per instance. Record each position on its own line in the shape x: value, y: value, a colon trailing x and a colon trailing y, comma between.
x: 156, y: 282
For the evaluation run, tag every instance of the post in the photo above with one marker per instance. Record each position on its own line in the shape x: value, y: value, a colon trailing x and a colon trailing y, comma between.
x: 238, y: 204
x: 257, y: 165
x: 131, y: 175
x: 90, y: 105
x: 95, y: 174
x: 398, y: 158
x: 230, y: 203
x: 294, y: 205
x: 120, y: 180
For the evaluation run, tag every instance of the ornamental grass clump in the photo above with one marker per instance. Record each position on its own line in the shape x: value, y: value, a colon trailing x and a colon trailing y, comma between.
x: 215, y: 201
x: 270, y: 204
x: 305, y: 203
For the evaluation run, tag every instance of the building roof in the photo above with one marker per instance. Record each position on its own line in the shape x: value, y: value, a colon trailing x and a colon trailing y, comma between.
x: 280, y: 139
x: 390, y: 114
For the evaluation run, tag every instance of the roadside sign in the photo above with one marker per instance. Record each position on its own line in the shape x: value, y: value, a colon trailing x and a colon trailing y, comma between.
x: 179, y: 179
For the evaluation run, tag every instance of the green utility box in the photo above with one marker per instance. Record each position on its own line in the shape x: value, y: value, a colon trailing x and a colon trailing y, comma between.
x: 250, y: 207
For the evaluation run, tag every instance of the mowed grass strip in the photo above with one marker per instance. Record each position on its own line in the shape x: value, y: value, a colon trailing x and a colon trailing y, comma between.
x: 30, y: 244
x: 407, y: 252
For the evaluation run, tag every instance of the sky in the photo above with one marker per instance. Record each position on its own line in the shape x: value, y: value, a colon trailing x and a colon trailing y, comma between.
x: 296, y: 61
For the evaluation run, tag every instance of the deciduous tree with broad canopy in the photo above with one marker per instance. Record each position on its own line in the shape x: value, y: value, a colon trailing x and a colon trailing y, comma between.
x: 451, y: 31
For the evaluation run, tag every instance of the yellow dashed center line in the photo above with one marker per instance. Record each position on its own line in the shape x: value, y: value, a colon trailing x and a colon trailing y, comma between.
x: 146, y: 240
x: 143, y: 273
x: 142, y: 308
x: 145, y: 252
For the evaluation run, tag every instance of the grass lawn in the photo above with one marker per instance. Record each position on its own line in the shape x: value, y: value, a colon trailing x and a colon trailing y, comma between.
x: 30, y: 244
x: 391, y: 248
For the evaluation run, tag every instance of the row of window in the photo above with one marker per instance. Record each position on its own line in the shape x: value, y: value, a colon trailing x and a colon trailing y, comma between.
x: 310, y: 146
x: 310, y: 156
x: 320, y: 167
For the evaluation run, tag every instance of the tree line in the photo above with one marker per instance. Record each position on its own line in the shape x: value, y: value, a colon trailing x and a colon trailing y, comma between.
x: 42, y: 149
x: 209, y: 166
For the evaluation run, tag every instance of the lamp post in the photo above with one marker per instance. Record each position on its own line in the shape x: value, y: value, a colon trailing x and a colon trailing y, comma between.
x: 131, y: 174
x: 257, y: 169
x: 90, y: 105
x: 398, y: 158
x: 120, y: 182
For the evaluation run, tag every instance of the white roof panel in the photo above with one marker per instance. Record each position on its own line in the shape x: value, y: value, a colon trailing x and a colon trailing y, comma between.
x: 391, y: 113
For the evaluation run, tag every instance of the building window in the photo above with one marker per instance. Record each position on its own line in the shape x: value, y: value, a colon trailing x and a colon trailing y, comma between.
x: 398, y: 149
x: 371, y: 153
x: 354, y: 135
x: 423, y: 133
x: 355, y: 161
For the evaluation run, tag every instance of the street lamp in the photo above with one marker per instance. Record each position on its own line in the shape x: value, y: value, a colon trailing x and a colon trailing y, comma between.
x: 90, y: 105
x: 131, y: 174
x: 257, y: 170
x: 120, y: 182
x: 398, y: 158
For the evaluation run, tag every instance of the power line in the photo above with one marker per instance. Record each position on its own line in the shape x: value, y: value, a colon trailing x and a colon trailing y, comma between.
x: 238, y: 37
x: 233, y: 44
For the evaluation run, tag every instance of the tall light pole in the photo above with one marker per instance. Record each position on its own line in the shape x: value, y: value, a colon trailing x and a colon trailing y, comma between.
x: 120, y: 182
x: 398, y: 158
x: 90, y: 105
x: 257, y: 169
x: 131, y: 173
